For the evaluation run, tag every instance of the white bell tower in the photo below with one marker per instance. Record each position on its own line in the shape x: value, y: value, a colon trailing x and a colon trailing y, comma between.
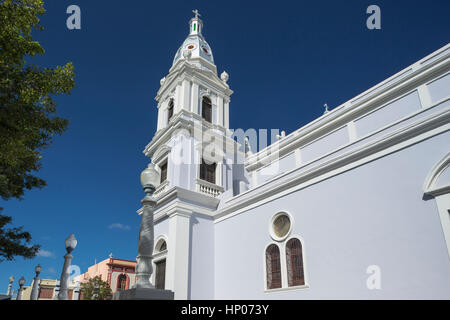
x: 192, y: 97
x: 192, y: 148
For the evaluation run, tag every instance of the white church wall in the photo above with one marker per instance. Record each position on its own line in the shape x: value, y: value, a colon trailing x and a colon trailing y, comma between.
x: 330, y: 152
x: 376, y: 135
x: 161, y: 228
x: 387, y: 114
x: 276, y: 168
x: 325, y: 144
x: 439, y: 88
x: 201, y: 262
x: 374, y: 214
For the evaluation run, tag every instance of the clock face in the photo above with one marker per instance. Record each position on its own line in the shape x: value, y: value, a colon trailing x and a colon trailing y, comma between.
x: 190, y: 47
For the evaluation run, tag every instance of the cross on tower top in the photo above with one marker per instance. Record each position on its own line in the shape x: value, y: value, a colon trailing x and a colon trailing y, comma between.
x: 196, y: 13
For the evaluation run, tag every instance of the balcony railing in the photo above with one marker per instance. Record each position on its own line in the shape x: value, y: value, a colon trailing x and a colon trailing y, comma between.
x: 209, y: 188
x: 161, y: 189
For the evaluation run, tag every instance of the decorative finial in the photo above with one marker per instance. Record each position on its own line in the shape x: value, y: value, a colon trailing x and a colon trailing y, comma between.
x: 326, y: 108
x: 196, y: 13
x: 224, y: 76
x: 187, y: 54
x: 247, y: 147
x: 111, y: 255
x: 282, y: 135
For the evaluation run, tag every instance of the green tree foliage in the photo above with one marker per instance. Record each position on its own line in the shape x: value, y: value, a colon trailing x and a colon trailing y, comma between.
x: 96, y: 289
x: 28, y: 119
x: 11, y: 241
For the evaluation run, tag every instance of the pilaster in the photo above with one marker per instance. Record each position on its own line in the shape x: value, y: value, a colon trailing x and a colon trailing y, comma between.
x: 185, y: 95
x: 178, y: 254
x: 194, y: 98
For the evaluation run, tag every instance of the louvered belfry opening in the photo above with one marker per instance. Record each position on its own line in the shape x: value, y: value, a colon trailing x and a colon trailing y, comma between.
x: 170, y: 110
x: 208, y: 171
x: 163, y: 172
x: 207, y: 109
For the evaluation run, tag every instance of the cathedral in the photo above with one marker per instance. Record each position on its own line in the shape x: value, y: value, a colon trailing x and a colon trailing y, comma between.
x: 353, y: 205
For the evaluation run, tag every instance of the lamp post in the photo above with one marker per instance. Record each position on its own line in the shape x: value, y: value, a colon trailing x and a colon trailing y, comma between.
x: 35, y: 290
x: 19, y: 293
x: 11, y: 280
x: 143, y: 289
x: 150, y: 179
x: 71, y: 243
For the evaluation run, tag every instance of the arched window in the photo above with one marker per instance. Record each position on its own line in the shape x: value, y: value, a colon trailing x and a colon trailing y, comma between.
x: 162, y: 246
x: 170, y: 110
x: 122, y: 282
x: 294, y: 261
x: 273, y: 267
x: 207, y: 109
x: 159, y: 276
x: 437, y: 185
x: 208, y: 171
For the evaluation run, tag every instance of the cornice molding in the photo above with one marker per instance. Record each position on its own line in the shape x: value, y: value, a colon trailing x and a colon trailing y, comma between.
x: 296, y: 179
x: 189, y: 121
x: 160, y: 154
x: 178, y: 200
x: 194, y: 74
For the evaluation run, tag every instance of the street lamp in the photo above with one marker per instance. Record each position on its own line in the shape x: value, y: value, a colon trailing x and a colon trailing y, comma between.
x: 35, y: 290
x: 71, y: 243
x: 19, y: 293
x: 11, y: 280
x: 150, y: 179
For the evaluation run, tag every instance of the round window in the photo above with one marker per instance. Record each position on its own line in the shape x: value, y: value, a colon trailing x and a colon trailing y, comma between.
x: 281, y: 226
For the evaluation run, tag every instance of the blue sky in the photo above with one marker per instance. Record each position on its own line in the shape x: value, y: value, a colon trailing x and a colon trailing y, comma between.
x: 285, y: 60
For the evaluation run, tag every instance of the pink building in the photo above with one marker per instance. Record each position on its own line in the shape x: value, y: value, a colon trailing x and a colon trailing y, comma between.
x: 119, y: 273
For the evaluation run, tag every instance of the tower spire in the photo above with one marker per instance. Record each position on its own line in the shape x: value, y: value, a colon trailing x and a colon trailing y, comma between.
x: 196, y: 24
x: 196, y: 13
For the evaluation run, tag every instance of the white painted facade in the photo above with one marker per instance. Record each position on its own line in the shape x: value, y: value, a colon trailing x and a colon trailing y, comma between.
x: 367, y: 183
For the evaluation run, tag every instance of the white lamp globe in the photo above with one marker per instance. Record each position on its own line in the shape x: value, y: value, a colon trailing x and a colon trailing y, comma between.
x: 71, y: 243
x: 150, y: 176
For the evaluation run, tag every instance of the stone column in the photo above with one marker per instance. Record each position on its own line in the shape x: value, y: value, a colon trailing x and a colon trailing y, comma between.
x: 65, y: 276
x: 11, y: 280
x: 19, y: 293
x: 144, y: 267
x: 35, y: 289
